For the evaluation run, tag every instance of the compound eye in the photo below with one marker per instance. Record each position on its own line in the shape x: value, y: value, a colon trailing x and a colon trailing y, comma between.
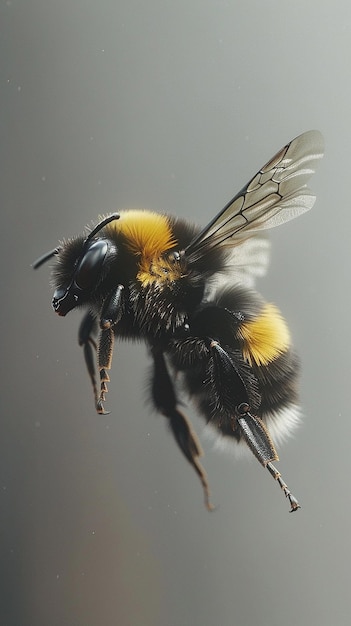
x: 89, y: 268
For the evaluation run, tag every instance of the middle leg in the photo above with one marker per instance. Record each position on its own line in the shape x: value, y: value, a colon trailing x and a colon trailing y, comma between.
x: 165, y: 400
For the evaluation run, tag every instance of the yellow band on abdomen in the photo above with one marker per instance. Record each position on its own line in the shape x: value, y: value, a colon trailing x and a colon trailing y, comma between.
x: 266, y: 337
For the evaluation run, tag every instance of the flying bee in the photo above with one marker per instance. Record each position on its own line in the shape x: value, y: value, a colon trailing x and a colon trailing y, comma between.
x: 188, y: 294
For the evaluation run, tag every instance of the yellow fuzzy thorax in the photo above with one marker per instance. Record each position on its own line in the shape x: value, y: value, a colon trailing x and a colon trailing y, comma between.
x: 266, y: 337
x: 148, y: 235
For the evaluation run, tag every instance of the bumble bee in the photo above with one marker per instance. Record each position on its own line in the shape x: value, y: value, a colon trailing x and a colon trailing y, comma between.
x: 188, y: 294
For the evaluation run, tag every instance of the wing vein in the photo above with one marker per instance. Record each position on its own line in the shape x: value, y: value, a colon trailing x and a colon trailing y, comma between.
x: 276, y: 194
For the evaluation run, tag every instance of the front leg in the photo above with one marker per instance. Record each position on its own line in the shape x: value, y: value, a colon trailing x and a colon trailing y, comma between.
x: 111, y: 313
x: 165, y: 400
x: 87, y: 330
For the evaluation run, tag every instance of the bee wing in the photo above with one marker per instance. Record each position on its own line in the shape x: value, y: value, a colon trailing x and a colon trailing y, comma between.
x: 249, y: 261
x: 277, y: 194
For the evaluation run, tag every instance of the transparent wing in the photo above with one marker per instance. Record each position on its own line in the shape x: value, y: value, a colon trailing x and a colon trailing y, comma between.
x: 244, y: 264
x: 277, y: 194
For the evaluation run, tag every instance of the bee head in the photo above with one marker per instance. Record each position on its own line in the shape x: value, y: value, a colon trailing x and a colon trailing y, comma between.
x: 81, y: 266
x: 74, y: 289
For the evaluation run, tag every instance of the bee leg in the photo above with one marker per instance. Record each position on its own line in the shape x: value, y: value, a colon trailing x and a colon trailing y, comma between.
x: 165, y: 400
x: 259, y: 441
x: 226, y: 379
x: 112, y: 309
x: 105, y: 352
x: 86, y: 331
x: 110, y: 315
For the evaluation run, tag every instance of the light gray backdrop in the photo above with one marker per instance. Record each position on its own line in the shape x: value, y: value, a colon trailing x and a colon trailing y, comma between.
x: 168, y: 106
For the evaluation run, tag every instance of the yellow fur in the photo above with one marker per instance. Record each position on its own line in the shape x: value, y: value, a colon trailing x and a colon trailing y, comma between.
x: 148, y: 235
x: 265, y: 337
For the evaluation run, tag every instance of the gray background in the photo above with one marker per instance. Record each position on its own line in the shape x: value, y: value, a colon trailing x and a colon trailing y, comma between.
x: 168, y: 106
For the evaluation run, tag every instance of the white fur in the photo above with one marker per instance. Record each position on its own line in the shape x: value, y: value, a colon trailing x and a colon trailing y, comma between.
x: 280, y: 426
